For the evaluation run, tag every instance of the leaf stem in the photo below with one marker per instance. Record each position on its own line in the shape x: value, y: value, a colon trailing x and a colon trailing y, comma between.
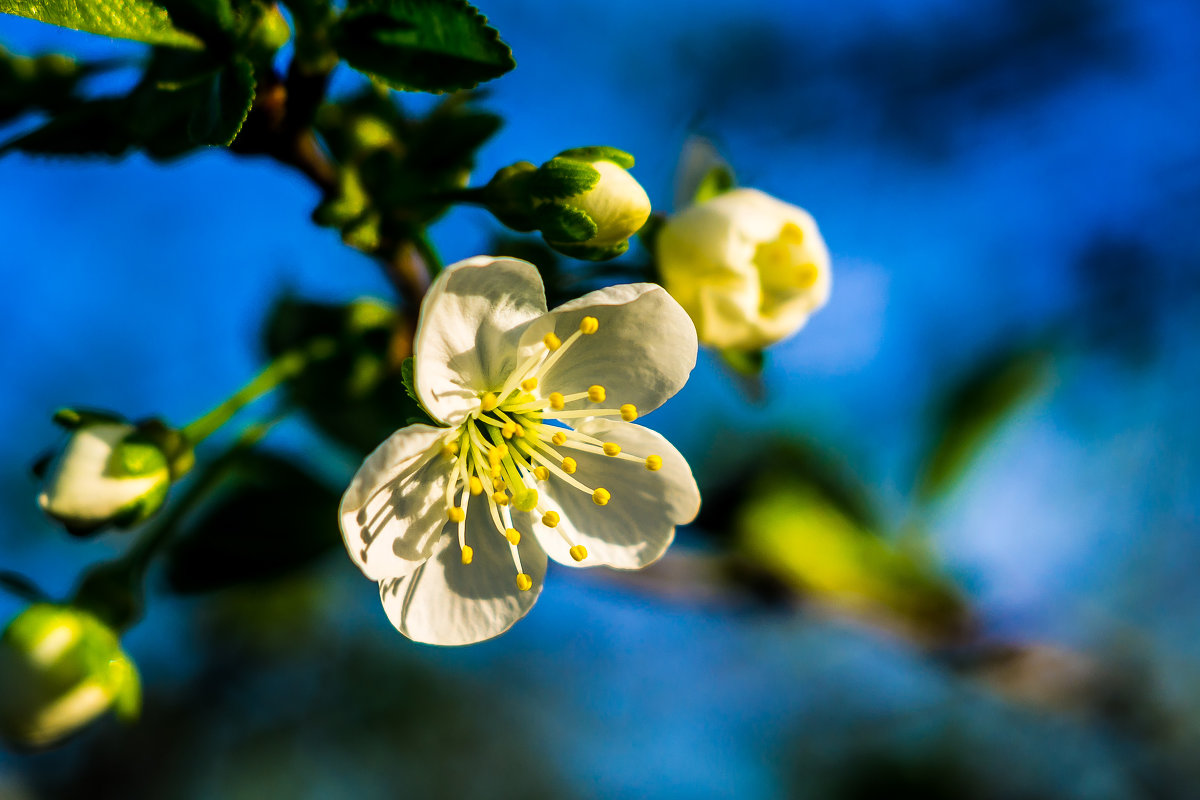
x: 286, y: 366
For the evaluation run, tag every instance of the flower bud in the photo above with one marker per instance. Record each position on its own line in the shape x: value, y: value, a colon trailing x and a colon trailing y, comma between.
x: 748, y: 268
x: 584, y: 201
x: 108, y: 473
x: 61, y: 668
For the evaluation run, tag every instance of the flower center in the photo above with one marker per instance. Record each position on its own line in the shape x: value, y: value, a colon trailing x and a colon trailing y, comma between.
x: 784, y: 267
x: 515, y: 441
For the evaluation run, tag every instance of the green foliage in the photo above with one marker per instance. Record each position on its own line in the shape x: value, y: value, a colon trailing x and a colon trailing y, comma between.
x: 267, y: 518
x: 183, y: 101
x: 357, y: 397
x: 716, y: 181
x: 139, y: 20
x: 563, y: 177
x: 421, y: 45
x: 971, y: 411
x: 561, y: 223
x: 46, y: 83
x: 599, y: 153
x: 396, y: 172
x: 586, y: 252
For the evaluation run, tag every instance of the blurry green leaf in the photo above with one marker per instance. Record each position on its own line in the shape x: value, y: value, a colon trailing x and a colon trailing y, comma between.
x: 357, y: 397
x: 217, y: 118
x: 972, y: 409
x: 717, y: 180
x: 599, y: 153
x: 18, y: 585
x: 211, y: 20
x: 268, y: 518
x: 184, y: 101
x: 422, y: 45
x: 45, y: 83
x: 139, y: 20
x: 791, y: 531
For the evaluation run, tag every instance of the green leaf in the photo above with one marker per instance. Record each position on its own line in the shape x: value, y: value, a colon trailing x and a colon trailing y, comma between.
x: 357, y: 397
x: 269, y: 518
x: 561, y: 224
x: 406, y: 377
x: 34, y: 84
x: 561, y: 177
x: 18, y: 585
x: 587, y: 252
x: 972, y: 410
x: 217, y: 118
x: 421, y: 45
x: 139, y: 20
x: 716, y: 181
x: 599, y: 153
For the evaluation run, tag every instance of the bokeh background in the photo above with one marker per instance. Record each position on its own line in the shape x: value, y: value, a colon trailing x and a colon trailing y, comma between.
x: 950, y: 540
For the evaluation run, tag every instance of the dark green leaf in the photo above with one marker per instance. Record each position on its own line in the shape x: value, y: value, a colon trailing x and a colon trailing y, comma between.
x: 217, y: 118
x: 716, y: 181
x: 211, y: 20
x: 18, y: 585
x: 140, y: 20
x: 560, y: 178
x: 564, y: 224
x: 973, y: 408
x: 35, y: 84
x: 422, y: 45
x: 268, y: 518
x: 357, y: 396
x: 586, y: 252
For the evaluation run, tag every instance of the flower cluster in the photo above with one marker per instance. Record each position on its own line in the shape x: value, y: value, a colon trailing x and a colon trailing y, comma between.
x: 539, y: 455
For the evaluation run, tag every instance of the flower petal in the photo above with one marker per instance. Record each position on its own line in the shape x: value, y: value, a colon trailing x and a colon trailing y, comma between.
x: 447, y: 602
x: 393, y: 510
x: 642, y: 353
x: 638, y: 523
x: 468, y: 329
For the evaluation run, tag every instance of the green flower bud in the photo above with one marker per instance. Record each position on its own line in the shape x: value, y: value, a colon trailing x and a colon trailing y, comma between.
x: 109, y: 472
x: 584, y: 201
x: 61, y: 668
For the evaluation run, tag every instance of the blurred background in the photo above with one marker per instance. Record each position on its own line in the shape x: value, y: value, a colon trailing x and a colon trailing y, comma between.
x: 950, y: 539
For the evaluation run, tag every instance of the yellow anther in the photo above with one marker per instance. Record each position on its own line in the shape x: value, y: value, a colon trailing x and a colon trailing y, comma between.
x: 579, y: 552
x: 521, y: 398
x: 529, y: 384
x: 541, y: 473
x: 475, y: 485
x: 596, y: 394
x: 500, y: 498
x: 589, y: 325
x: 559, y: 438
x: 467, y: 554
x: 497, y: 454
x: 612, y: 449
x: 513, y: 535
x: 489, y: 401
x: 653, y: 463
x: 519, y: 432
x: 550, y: 519
x: 526, y: 500
x: 601, y: 497
x: 556, y: 401
x: 450, y: 449
x: 509, y: 430
x: 497, y: 485
x: 524, y: 582
x: 569, y: 466
x: 791, y: 234
x: 629, y: 412
x: 806, y: 275
x: 495, y: 471
x: 456, y: 514
x: 551, y: 341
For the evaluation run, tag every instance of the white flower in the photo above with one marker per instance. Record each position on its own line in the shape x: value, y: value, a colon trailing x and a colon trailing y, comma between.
x: 104, y: 474
x: 617, y: 203
x: 749, y: 269
x: 60, y: 668
x: 540, y: 455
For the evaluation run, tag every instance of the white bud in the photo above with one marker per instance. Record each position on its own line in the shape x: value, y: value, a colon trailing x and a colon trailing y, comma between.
x: 60, y: 668
x: 617, y: 204
x: 748, y: 268
x: 101, y: 475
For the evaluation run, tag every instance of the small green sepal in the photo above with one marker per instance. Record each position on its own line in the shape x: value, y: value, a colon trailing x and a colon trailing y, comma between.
x: 561, y: 223
x: 586, y: 252
x: 599, y: 153
x: 563, y: 177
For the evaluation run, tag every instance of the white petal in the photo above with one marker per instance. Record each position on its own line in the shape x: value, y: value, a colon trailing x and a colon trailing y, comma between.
x: 450, y: 603
x: 468, y: 330
x: 80, y: 487
x: 393, y: 511
x: 638, y: 524
x: 642, y: 353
